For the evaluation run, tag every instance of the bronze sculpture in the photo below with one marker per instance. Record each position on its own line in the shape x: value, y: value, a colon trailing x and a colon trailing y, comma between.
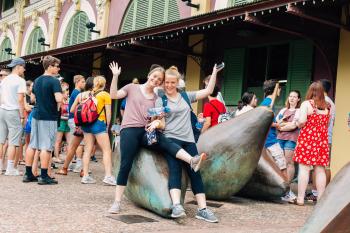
x: 332, y: 212
x: 234, y: 148
x: 267, y: 182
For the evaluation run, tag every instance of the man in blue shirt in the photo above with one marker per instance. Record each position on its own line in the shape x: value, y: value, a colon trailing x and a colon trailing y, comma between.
x: 48, y: 95
x: 272, y: 146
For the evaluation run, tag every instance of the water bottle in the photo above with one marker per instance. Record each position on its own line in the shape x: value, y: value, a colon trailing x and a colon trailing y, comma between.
x: 199, y: 125
x: 157, y: 111
x: 151, y: 137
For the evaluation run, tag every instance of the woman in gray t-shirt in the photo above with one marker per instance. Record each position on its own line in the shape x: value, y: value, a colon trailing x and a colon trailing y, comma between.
x: 178, y: 128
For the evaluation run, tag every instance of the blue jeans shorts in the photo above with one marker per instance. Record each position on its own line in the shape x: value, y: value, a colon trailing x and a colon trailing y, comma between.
x: 287, y: 145
x: 96, y: 128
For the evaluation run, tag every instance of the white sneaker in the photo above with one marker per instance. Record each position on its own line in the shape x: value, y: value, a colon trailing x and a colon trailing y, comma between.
x: 115, y: 208
x: 13, y: 172
x: 288, y: 198
x: 88, y: 180
x: 110, y: 180
x: 77, y: 168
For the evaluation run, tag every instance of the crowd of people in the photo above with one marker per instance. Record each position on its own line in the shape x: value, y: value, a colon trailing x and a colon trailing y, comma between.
x: 37, y: 117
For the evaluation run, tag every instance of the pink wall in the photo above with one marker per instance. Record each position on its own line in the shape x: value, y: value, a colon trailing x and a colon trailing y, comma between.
x: 45, y: 17
x: 116, y: 15
x: 65, y: 8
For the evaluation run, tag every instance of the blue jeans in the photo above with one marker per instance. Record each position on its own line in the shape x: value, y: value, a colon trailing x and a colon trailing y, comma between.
x: 175, y: 168
x: 95, y: 128
x: 287, y: 145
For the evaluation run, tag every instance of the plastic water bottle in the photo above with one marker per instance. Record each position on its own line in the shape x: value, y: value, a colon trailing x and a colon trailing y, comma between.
x: 199, y: 125
x: 157, y: 111
x: 151, y: 137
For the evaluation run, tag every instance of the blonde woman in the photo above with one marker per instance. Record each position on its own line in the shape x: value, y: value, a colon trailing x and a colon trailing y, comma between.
x: 97, y: 130
x: 178, y: 129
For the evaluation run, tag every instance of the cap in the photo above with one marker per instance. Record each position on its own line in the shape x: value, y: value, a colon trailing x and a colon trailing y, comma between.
x: 16, y: 61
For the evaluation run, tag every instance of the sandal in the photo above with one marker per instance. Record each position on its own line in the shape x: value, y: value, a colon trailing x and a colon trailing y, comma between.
x: 63, y: 171
x: 295, y: 202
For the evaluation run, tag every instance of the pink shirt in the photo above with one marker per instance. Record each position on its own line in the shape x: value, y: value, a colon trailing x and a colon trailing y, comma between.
x: 135, y: 114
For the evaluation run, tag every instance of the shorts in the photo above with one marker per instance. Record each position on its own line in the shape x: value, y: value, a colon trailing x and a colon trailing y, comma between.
x: 287, y: 144
x: 43, y: 135
x: 64, y: 128
x: 96, y: 128
x: 277, y: 154
x: 10, y: 127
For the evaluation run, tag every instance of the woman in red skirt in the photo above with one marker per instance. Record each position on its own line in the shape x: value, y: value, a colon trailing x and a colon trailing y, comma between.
x: 312, y: 146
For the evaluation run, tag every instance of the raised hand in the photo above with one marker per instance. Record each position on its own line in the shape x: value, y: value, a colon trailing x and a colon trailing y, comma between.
x: 116, y: 70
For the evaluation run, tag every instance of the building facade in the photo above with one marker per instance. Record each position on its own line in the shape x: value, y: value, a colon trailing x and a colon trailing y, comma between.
x: 295, y: 40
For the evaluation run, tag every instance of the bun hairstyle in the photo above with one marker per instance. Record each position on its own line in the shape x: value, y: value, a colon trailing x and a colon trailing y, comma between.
x: 173, y: 71
x: 247, y: 97
x: 89, y: 85
x: 99, y: 83
x: 154, y: 68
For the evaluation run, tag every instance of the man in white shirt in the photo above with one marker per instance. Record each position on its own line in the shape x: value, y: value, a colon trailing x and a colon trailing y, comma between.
x: 12, y: 90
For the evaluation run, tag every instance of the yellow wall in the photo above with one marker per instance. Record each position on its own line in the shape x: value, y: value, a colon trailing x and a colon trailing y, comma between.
x: 341, y: 134
x: 204, y: 7
x: 193, y: 71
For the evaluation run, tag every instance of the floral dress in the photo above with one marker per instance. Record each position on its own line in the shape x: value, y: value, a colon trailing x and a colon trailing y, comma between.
x: 312, y: 146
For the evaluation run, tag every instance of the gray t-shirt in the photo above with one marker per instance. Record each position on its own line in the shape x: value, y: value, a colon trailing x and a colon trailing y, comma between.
x: 178, y: 120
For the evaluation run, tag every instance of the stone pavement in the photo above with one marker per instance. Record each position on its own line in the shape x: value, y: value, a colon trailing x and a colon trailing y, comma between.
x: 73, y: 207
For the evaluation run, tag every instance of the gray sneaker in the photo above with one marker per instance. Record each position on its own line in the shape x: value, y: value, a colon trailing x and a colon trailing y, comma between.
x: 115, y: 208
x: 110, y: 180
x: 177, y: 211
x: 71, y: 167
x: 196, y: 161
x: 88, y: 180
x: 206, y: 215
x: 77, y: 168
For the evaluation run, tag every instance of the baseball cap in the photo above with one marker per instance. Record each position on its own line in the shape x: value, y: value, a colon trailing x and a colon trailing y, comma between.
x: 16, y: 61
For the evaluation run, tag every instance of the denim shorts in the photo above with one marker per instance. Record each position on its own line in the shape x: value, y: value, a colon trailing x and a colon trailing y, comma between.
x: 96, y: 128
x: 287, y: 145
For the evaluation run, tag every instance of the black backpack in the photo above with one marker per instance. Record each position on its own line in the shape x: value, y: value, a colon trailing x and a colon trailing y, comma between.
x: 194, y: 120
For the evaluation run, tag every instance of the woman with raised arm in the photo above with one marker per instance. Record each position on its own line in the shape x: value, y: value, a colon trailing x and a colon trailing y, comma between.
x: 312, y: 146
x: 178, y: 129
x: 141, y: 97
x: 98, y: 129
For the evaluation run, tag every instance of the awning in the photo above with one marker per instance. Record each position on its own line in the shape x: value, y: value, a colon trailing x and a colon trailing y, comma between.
x: 185, y: 26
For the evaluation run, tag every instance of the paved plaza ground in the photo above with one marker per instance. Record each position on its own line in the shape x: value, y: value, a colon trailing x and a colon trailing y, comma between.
x: 73, y: 207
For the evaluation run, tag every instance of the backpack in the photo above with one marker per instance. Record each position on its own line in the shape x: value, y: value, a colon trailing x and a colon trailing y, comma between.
x: 86, y: 112
x: 194, y: 120
x: 222, y: 116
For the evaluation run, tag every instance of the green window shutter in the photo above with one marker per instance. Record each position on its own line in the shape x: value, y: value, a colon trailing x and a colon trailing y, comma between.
x: 233, y: 73
x: 142, y: 14
x: 6, y: 43
x: 173, y: 11
x: 33, y: 46
x: 128, y: 21
x: 76, y: 31
x: 145, y: 13
x: 300, y: 66
x: 158, y: 12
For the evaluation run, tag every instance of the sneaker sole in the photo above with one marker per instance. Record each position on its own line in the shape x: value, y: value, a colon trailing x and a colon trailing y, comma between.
x: 109, y: 184
x: 203, y: 157
x: 178, y: 216
x: 207, y: 220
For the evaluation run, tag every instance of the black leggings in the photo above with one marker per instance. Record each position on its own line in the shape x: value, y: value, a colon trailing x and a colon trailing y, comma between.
x: 175, y: 168
x: 131, y: 140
